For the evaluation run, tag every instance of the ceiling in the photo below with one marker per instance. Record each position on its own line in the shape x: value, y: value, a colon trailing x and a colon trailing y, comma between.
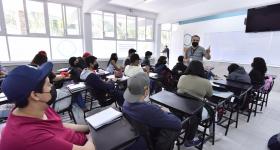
x: 157, y: 6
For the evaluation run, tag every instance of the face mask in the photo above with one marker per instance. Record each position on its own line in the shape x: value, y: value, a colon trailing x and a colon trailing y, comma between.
x: 194, y: 44
x: 53, y: 94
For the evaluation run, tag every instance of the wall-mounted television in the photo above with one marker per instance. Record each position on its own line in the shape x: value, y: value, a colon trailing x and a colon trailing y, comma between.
x: 262, y: 19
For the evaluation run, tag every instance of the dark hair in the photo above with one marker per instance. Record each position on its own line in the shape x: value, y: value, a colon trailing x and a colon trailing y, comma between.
x: 148, y: 53
x: 39, y: 59
x: 90, y: 60
x: 161, y: 60
x: 131, y: 51
x: 180, y: 58
x: 114, y: 57
x: 134, y: 58
x: 72, y: 61
x: 38, y: 89
x: 259, y: 64
x: 195, y: 36
x: 232, y: 67
x: 195, y: 68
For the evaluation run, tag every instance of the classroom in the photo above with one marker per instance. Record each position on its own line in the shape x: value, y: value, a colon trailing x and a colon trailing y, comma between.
x: 139, y: 74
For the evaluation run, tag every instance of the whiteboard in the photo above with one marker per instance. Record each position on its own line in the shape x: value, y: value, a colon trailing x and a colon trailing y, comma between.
x: 241, y: 47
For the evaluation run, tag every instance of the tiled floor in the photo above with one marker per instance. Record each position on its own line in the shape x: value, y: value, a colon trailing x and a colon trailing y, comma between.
x: 248, y: 136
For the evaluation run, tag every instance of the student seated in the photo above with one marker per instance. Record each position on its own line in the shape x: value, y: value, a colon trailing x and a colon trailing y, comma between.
x: 32, y: 124
x: 238, y: 73
x: 148, y: 114
x: 112, y: 64
x: 195, y: 84
x: 127, y: 60
x: 134, y: 67
x: 164, y: 73
x: 146, y: 60
x: 179, y: 68
x: 258, y: 71
x: 100, y: 87
x: 41, y: 58
x: 75, y: 72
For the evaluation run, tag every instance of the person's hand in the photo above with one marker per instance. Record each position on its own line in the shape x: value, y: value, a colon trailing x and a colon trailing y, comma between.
x: 187, y: 49
x: 208, y: 50
x: 89, y: 138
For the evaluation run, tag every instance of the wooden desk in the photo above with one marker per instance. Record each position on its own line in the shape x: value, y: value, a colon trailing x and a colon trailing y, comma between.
x: 114, y: 136
x: 171, y: 100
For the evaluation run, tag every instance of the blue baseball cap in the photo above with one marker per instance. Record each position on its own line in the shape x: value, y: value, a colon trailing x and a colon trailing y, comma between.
x: 24, y: 79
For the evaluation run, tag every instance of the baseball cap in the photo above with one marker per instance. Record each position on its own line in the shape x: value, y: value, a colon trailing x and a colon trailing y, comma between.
x: 135, y: 87
x: 134, y: 57
x: 24, y: 79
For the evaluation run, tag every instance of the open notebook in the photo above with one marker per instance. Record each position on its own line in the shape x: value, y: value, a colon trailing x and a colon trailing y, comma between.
x: 104, y: 117
x: 76, y: 87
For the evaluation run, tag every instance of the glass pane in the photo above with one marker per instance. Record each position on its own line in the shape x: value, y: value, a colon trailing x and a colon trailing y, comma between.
x: 103, y: 48
x: 142, y: 47
x: 149, y: 29
x: 66, y: 48
x: 36, y: 18
x: 141, y: 22
x: 109, y: 25
x: 72, y: 19
x: 14, y: 16
x: 97, y: 25
x: 124, y: 46
x: 55, y: 19
x: 165, y: 38
x: 131, y: 27
x: 24, y: 49
x: 121, y: 26
x: 166, y: 26
x: 3, y: 50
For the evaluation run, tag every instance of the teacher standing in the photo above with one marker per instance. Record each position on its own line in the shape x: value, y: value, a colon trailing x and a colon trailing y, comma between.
x: 196, y: 52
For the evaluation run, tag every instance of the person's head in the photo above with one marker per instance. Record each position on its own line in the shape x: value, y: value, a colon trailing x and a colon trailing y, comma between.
x: 134, y: 59
x: 259, y: 64
x: 162, y: 60
x: 114, y: 57
x: 195, y: 40
x: 232, y: 67
x: 180, y: 59
x: 137, y: 88
x: 39, y: 59
x: 42, y: 52
x: 73, y: 61
x: 195, y: 68
x: 91, y: 62
x: 30, y: 86
x: 148, y: 54
x: 86, y: 54
x: 131, y: 51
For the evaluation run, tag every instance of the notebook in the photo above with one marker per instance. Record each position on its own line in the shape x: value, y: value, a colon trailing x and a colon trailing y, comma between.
x: 104, y: 117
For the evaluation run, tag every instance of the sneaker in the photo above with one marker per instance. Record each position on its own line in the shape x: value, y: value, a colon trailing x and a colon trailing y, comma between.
x: 192, y: 143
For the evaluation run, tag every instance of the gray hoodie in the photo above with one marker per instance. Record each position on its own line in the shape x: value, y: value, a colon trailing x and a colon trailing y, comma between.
x: 239, y: 75
x: 85, y: 73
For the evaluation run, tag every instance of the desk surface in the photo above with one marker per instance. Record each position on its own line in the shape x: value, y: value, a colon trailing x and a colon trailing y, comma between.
x: 232, y: 84
x: 3, y: 99
x: 113, y: 136
x: 171, y: 100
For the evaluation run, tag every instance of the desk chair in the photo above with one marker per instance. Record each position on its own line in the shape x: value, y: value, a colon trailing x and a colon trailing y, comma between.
x: 155, y: 140
x: 63, y: 103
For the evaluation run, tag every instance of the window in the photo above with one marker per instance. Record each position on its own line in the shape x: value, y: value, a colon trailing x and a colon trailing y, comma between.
x: 3, y: 50
x: 141, y: 28
x: 55, y: 19
x: 24, y: 49
x: 149, y: 29
x: 131, y: 27
x: 103, y: 48
x: 166, y: 30
x: 72, y: 19
x: 109, y: 25
x: 121, y: 27
x: 142, y: 47
x: 36, y: 16
x: 97, y: 24
x: 63, y: 48
x: 14, y: 16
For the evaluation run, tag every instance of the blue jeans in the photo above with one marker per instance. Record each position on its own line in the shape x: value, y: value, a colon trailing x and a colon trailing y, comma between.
x: 77, y: 97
